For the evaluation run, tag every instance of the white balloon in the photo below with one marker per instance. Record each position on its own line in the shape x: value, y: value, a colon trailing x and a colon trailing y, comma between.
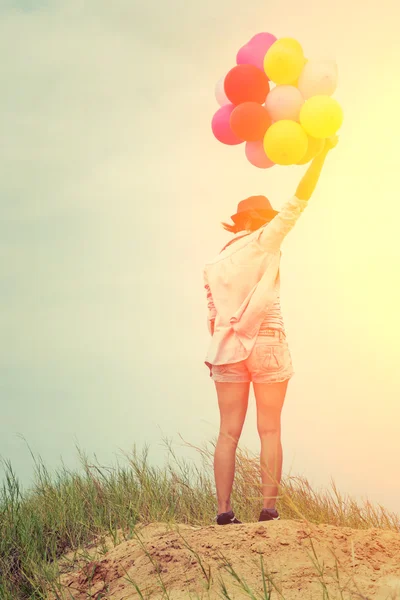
x: 284, y: 102
x: 318, y: 78
x: 220, y: 92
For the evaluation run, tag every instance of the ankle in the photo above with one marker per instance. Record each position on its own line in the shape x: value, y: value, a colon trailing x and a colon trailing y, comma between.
x: 224, y: 509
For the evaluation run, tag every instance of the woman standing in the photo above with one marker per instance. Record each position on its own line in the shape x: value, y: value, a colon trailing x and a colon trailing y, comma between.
x: 248, y: 341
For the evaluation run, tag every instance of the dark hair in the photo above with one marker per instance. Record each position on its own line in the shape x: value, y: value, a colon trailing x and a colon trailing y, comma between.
x: 250, y: 220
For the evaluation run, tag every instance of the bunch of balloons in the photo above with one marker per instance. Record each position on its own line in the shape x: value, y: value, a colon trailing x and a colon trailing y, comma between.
x: 277, y: 102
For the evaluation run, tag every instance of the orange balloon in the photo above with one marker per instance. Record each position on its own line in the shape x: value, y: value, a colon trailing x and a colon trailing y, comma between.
x: 249, y: 121
x: 246, y: 83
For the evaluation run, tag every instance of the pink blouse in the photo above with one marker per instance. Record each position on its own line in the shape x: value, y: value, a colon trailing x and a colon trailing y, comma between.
x: 243, y: 284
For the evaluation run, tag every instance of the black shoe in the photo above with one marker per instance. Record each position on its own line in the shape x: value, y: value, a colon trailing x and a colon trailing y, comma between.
x: 269, y: 514
x: 226, y: 518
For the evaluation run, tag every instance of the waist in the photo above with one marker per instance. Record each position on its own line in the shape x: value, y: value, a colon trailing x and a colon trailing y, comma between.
x: 269, y: 331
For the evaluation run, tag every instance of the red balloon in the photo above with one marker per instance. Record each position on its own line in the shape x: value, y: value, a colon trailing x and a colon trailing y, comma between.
x: 249, y: 121
x: 246, y: 83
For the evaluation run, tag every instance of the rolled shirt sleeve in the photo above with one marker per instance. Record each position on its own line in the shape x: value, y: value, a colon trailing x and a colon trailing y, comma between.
x: 212, y: 313
x: 273, y: 234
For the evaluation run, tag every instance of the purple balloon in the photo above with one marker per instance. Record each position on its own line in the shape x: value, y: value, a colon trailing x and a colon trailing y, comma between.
x: 221, y: 126
x: 253, y: 53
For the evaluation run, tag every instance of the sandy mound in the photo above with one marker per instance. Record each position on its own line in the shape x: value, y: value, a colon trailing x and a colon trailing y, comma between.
x: 368, y: 562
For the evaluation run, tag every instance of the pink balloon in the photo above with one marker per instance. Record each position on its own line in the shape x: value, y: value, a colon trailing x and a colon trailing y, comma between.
x: 221, y: 126
x: 263, y: 35
x: 220, y: 92
x: 255, y: 154
x: 253, y: 53
x: 284, y: 102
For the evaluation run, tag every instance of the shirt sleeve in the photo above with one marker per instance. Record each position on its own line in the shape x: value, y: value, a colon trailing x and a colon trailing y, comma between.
x: 273, y: 234
x: 210, y: 302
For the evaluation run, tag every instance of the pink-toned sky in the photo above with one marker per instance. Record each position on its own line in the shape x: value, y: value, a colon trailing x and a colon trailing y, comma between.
x: 113, y: 189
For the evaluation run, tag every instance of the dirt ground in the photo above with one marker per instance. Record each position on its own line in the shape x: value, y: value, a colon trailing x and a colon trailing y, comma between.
x: 367, y: 561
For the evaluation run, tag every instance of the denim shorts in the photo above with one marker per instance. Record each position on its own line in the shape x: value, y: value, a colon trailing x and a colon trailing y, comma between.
x: 269, y: 362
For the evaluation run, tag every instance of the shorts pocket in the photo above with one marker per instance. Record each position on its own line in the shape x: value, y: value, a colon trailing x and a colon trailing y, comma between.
x: 271, y: 357
x: 220, y: 369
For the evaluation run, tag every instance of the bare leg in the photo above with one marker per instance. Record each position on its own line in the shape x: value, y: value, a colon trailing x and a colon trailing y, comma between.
x: 269, y: 399
x: 233, y: 400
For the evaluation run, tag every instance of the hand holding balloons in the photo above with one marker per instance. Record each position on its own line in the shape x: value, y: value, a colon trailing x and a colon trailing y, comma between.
x: 331, y: 142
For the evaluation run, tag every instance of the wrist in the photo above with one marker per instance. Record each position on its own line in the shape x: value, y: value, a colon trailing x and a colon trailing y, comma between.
x: 325, y: 150
x: 320, y: 158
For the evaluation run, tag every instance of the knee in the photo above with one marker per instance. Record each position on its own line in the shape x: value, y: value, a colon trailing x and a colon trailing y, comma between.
x: 270, y: 428
x: 229, y: 436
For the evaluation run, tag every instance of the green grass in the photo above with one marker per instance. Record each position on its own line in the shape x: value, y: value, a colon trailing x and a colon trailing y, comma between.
x: 67, y: 511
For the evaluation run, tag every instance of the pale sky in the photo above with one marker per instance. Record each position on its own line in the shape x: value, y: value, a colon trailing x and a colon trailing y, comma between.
x: 112, y: 192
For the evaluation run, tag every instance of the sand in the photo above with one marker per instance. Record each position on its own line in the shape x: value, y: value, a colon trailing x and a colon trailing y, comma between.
x: 368, y: 562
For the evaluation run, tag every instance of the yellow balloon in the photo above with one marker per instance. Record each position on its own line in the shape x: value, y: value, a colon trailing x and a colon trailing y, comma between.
x: 284, y: 61
x: 290, y: 43
x: 285, y: 142
x: 321, y: 116
x: 315, y: 146
x: 296, y: 81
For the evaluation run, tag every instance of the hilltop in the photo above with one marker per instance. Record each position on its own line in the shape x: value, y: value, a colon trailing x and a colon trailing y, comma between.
x: 198, y: 561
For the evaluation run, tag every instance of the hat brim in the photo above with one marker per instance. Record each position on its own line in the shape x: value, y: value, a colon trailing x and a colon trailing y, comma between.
x: 264, y: 213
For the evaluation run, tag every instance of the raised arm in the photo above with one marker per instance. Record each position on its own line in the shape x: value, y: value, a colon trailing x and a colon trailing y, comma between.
x: 273, y: 234
x: 310, y: 179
